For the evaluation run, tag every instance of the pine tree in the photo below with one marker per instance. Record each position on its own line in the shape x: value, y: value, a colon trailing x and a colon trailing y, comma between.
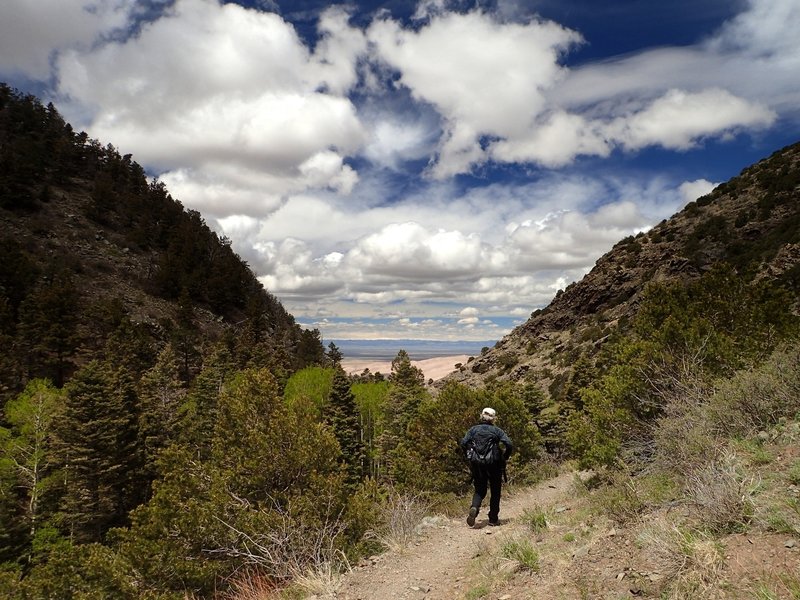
x: 160, y: 396
x: 97, y: 447
x: 334, y: 355
x: 198, y: 414
x: 47, y: 330
x: 342, y: 415
x: 407, y: 392
x: 184, y: 336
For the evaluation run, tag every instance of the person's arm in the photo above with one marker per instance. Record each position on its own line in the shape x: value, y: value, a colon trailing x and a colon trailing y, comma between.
x: 464, y: 443
x: 507, y: 443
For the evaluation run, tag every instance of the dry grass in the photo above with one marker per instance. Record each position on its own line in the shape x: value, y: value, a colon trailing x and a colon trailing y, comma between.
x: 693, y: 559
x: 400, y: 516
x: 722, y: 495
x: 621, y: 500
x: 249, y: 585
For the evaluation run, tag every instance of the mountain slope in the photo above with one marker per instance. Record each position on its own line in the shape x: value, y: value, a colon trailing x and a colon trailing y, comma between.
x: 751, y: 222
x: 91, y: 247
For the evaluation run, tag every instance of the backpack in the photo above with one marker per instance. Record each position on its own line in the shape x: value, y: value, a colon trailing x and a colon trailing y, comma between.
x: 483, y: 450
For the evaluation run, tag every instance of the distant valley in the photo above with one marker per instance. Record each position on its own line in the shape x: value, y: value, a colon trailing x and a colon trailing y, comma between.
x: 417, y: 349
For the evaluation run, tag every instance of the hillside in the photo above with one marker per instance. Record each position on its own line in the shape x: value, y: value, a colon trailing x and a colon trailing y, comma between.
x: 752, y: 222
x: 92, y: 249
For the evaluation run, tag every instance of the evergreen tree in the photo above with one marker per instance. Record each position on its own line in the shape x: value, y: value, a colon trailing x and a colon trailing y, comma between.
x: 160, y: 397
x: 198, y: 414
x: 47, y: 329
x: 97, y: 447
x: 309, y: 349
x: 185, y: 335
x: 342, y: 415
x: 406, y: 393
x: 334, y: 355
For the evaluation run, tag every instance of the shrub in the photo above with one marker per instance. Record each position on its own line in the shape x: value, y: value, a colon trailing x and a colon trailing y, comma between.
x: 756, y: 399
x: 621, y: 500
x: 684, y: 442
x: 793, y: 473
x: 722, y: 495
x: 400, y: 514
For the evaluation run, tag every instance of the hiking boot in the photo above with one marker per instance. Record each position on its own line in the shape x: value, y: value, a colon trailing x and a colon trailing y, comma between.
x: 494, y: 523
x: 473, y: 512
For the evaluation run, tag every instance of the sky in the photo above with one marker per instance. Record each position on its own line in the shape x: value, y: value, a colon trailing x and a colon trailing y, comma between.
x: 420, y: 169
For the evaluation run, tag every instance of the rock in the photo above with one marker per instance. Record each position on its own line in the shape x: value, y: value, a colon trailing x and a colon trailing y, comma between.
x: 580, y: 552
x: 790, y: 544
x: 509, y: 567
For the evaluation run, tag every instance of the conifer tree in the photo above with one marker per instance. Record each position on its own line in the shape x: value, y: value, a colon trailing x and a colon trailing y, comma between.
x: 47, y: 329
x: 184, y: 336
x: 407, y: 391
x: 334, y: 355
x: 97, y: 447
x: 198, y: 414
x: 160, y: 396
x: 342, y: 415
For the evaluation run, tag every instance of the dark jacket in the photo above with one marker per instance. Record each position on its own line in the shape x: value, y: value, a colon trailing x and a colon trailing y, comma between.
x: 486, y: 430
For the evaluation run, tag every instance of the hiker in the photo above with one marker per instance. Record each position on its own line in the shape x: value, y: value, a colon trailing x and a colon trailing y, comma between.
x: 486, y: 463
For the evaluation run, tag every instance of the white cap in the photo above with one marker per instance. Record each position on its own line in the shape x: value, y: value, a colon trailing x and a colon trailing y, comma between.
x: 488, y: 414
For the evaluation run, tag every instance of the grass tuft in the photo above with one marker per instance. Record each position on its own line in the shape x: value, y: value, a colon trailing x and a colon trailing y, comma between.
x: 523, y: 552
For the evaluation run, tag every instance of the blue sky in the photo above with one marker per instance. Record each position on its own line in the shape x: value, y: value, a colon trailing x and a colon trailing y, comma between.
x: 425, y: 169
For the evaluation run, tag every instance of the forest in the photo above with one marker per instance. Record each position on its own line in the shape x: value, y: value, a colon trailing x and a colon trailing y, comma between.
x: 174, y: 456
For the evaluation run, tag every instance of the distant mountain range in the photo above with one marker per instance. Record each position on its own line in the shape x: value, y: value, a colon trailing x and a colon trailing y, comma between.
x: 417, y: 349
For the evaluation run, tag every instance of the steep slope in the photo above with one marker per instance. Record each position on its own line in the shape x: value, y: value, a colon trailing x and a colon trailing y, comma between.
x: 751, y: 222
x: 90, y: 248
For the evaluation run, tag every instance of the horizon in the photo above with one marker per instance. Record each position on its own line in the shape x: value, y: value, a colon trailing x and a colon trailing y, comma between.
x: 420, y: 169
x: 387, y: 349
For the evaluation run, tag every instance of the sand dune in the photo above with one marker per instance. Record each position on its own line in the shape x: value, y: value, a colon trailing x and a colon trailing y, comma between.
x: 434, y: 368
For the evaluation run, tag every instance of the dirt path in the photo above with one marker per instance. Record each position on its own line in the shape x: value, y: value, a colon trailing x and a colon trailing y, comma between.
x: 438, y: 566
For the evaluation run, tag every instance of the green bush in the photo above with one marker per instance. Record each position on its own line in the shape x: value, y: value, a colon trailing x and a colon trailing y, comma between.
x: 759, y: 398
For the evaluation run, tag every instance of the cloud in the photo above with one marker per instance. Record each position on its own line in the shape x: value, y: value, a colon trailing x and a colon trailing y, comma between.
x: 226, y: 101
x: 309, y: 155
x: 679, y: 120
x: 31, y: 32
x: 536, y: 110
x: 470, y: 268
x: 485, y: 78
x: 692, y: 190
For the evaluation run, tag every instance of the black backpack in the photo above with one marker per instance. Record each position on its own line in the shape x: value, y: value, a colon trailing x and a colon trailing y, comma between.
x: 483, y: 449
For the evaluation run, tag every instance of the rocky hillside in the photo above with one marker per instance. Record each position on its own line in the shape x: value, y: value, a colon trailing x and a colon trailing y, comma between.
x: 93, y: 251
x: 751, y: 222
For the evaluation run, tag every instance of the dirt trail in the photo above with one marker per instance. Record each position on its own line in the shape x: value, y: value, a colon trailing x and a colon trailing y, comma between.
x: 438, y: 566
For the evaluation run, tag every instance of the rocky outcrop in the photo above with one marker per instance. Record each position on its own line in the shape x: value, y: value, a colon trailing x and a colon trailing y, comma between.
x: 752, y: 222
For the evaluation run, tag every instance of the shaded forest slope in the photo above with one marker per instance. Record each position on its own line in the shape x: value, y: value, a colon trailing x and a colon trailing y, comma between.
x: 94, y: 251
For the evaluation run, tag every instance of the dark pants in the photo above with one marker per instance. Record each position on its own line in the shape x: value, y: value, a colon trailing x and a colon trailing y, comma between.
x: 490, y: 476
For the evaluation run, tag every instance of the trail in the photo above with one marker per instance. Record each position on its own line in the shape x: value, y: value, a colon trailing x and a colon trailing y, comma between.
x: 438, y: 566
